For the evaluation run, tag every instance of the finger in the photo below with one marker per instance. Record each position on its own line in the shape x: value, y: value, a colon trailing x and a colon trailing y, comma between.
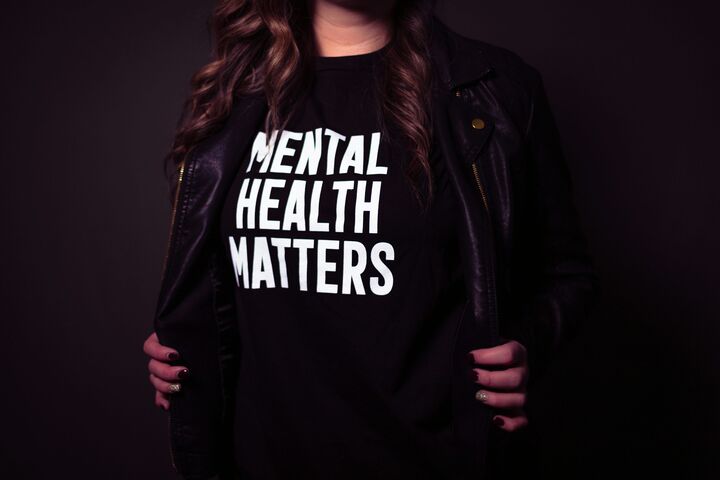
x: 153, y: 348
x: 501, y: 399
x: 514, y: 378
x: 507, y: 354
x: 167, y: 372
x: 510, y: 423
x: 164, y: 387
x: 162, y: 401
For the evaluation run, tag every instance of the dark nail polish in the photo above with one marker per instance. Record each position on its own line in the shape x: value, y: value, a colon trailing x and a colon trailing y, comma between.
x: 172, y: 356
x: 473, y: 375
x: 471, y: 358
x: 183, y: 373
x: 498, y: 421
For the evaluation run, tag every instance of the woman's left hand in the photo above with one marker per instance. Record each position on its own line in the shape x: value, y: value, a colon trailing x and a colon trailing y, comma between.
x: 506, y: 386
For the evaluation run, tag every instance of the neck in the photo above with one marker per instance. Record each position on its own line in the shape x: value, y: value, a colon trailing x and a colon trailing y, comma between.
x: 350, y: 27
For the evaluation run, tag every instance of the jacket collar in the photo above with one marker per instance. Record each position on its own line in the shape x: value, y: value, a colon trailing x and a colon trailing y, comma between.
x: 459, y: 60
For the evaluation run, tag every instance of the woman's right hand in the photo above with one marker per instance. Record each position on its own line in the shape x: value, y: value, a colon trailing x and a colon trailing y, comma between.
x: 163, y: 376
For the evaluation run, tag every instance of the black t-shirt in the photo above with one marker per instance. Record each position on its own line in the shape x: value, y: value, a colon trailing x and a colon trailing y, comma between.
x: 348, y: 295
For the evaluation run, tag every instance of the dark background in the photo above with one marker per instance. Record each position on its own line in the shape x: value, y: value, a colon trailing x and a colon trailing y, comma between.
x: 89, y: 97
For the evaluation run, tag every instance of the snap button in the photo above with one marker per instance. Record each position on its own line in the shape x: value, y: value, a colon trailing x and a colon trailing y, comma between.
x: 478, y: 123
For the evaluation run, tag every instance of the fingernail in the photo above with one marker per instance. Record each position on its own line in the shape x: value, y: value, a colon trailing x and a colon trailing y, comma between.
x: 183, y: 373
x: 498, y: 421
x: 173, y: 356
x: 481, y: 395
x: 473, y: 375
x: 174, y: 387
x: 471, y: 358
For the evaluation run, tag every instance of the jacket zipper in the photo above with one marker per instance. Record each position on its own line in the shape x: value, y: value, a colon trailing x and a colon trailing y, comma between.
x: 480, y: 186
x: 486, y: 205
x: 181, y: 175
x: 173, y: 215
x: 483, y: 194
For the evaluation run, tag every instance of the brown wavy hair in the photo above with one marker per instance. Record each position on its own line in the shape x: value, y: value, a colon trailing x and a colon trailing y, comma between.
x: 267, y: 45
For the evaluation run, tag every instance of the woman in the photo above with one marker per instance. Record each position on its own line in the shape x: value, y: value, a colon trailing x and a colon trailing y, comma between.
x: 373, y: 241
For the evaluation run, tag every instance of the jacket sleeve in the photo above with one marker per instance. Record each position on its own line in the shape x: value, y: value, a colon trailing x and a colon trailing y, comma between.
x: 553, y: 269
x: 192, y: 316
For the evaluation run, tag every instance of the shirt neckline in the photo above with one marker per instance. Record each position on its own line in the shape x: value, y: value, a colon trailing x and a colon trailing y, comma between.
x: 351, y: 62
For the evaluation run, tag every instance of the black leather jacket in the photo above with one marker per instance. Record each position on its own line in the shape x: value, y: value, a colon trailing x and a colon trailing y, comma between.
x: 528, y: 273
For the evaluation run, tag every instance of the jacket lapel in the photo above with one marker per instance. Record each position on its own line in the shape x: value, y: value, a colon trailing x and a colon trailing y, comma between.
x: 460, y: 143
x: 210, y: 170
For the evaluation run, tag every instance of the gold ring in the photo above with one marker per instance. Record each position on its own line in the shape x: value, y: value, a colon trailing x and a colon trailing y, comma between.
x: 174, y: 388
x: 482, y: 396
